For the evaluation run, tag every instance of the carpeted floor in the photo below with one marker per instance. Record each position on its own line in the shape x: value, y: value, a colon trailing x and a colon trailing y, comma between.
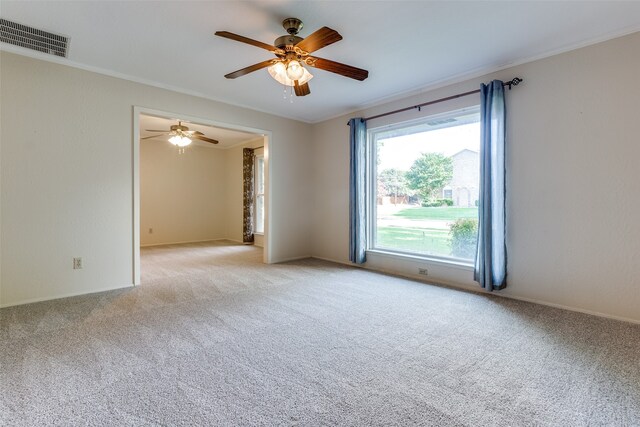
x: 214, y: 337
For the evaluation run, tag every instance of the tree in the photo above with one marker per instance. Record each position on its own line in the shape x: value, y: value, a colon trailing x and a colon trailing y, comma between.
x: 430, y: 172
x: 392, y: 182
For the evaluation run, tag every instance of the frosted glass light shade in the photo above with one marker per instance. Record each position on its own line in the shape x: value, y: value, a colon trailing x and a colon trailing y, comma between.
x: 294, y: 70
x: 279, y: 72
x: 180, y: 141
x: 306, y: 76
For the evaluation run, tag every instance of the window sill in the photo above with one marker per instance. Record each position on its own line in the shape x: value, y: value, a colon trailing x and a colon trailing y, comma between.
x: 447, y: 263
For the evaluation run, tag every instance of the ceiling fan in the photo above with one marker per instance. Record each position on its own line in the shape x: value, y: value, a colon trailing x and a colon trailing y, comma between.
x: 181, y: 135
x: 292, y: 53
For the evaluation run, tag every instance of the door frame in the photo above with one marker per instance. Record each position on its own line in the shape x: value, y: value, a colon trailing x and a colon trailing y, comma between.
x: 267, y: 135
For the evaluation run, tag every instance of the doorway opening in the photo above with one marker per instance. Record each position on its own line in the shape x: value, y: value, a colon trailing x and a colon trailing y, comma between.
x: 188, y: 189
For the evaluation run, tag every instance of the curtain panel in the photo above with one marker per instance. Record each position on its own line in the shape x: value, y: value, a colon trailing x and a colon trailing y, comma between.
x: 491, y: 256
x: 247, y: 195
x: 357, y: 185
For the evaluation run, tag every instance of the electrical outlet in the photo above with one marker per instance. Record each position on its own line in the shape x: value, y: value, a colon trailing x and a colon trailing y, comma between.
x: 423, y: 271
x: 151, y: 231
x: 77, y: 263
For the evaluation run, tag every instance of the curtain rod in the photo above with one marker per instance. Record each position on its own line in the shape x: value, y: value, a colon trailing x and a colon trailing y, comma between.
x: 513, y: 82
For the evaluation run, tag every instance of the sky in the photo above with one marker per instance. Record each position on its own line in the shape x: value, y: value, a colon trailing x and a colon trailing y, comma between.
x: 400, y: 152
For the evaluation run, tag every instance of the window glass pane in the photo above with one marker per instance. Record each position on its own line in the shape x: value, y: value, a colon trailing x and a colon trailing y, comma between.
x: 259, y: 196
x: 260, y: 176
x: 427, y: 180
x: 259, y: 214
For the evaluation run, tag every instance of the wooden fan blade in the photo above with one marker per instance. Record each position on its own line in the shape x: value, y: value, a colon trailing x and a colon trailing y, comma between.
x: 204, y: 138
x: 301, y: 90
x: 193, y: 132
x: 321, y: 38
x: 252, y: 42
x: 152, y: 136
x: 338, y: 68
x: 154, y: 130
x: 249, y: 69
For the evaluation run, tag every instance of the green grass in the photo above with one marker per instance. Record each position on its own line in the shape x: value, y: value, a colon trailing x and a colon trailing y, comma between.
x: 445, y: 213
x: 431, y: 241
x: 423, y: 240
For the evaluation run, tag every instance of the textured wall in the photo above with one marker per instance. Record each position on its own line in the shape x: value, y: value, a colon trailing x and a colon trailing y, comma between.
x: 183, y: 197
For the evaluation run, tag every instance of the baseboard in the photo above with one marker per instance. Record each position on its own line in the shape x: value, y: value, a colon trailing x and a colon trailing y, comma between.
x: 69, y: 295
x: 292, y: 259
x: 188, y: 242
x: 337, y: 262
x: 569, y: 308
x: 458, y: 286
x: 240, y: 242
x: 416, y: 278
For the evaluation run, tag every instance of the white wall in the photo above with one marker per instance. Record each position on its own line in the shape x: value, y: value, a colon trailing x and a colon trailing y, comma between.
x: 183, y: 197
x: 573, y: 199
x: 66, y: 174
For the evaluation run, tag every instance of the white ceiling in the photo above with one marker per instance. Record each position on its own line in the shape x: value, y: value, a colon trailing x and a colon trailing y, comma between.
x: 226, y: 138
x: 405, y: 45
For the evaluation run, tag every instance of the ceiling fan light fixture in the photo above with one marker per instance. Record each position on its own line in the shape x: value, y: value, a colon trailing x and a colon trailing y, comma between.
x: 305, y: 77
x: 279, y: 72
x: 295, y: 70
x: 180, y: 141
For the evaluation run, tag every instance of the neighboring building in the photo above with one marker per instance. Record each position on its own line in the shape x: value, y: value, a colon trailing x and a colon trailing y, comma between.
x: 463, y: 187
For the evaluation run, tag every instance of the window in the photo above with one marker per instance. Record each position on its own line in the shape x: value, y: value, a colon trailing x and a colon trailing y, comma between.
x: 259, y: 194
x: 423, y: 186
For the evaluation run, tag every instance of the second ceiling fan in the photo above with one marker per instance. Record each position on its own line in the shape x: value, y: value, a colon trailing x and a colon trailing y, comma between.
x: 293, y: 53
x: 180, y: 135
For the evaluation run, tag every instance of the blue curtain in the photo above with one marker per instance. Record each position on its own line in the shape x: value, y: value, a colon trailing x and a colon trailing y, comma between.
x: 357, y: 219
x: 491, y: 255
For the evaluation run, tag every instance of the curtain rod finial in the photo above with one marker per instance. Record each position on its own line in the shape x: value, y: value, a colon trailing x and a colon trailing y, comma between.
x: 514, y: 82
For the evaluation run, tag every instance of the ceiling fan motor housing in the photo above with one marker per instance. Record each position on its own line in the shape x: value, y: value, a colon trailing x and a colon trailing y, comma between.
x: 292, y: 25
x: 284, y: 41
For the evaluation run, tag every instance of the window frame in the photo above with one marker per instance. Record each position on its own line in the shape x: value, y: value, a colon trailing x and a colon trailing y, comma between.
x: 373, y: 135
x: 256, y: 194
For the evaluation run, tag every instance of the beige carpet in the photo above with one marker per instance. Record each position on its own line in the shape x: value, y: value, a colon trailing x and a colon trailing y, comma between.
x: 214, y: 337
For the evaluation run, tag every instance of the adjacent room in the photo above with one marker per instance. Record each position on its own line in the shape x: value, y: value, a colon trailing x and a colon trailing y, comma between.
x: 192, y: 199
x: 305, y: 213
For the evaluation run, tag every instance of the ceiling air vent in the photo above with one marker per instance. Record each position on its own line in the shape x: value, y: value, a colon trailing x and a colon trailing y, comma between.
x: 33, y: 38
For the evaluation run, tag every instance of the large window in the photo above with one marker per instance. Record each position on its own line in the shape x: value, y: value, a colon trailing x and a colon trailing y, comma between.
x: 259, y: 194
x: 424, y: 186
